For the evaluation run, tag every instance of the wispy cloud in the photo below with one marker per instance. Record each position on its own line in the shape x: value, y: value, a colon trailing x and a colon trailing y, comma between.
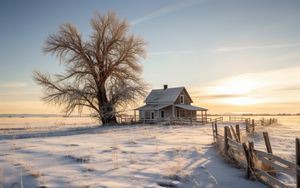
x: 12, y: 85
x: 179, y: 52
x: 165, y: 10
x: 240, y: 48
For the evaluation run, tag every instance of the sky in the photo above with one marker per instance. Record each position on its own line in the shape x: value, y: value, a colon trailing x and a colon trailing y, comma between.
x: 232, y: 56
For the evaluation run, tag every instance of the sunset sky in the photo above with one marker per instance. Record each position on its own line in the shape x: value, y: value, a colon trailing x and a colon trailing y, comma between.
x: 232, y: 56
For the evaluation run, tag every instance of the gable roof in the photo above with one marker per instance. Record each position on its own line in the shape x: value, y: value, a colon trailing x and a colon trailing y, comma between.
x: 168, y: 95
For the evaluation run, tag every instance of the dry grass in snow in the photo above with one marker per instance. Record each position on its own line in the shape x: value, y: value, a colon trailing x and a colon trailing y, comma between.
x: 128, y: 156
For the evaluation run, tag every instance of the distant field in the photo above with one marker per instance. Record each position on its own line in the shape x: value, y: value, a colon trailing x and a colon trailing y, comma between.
x: 42, y: 122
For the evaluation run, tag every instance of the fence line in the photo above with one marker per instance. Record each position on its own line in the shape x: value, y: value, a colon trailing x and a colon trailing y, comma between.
x: 259, y: 164
x: 129, y: 119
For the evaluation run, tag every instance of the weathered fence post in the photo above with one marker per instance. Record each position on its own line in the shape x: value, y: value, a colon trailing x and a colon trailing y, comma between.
x: 247, y: 128
x: 216, y: 128
x: 234, y: 134
x: 267, y: 142
x: 226, y: 146
x: 229, y: 133
x: 248, y: 155
x: 237, y: 129
x: 251, y: 157
x: 253, y: 125
x: 298, y: 162
x: 269, y: 150
x: 247, y: 159
x: 213, y: 130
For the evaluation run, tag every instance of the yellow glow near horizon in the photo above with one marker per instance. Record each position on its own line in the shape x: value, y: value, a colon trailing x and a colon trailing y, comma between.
x: 236, y: 90
x: 273, y: 90
x: 236, y: 86
x: 241, y: 101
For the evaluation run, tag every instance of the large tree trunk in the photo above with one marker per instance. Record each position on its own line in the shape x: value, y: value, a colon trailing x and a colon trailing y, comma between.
x: 106, y: 109
x: 109, y: 120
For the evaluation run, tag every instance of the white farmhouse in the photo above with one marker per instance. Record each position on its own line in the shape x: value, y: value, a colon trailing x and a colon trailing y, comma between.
x: 169, y: 104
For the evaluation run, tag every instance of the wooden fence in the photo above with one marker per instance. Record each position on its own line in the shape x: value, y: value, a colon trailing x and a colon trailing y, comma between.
x: 251, y: 124
x: 237, y: 119
x: 127, y: 119
x: 260, y: 165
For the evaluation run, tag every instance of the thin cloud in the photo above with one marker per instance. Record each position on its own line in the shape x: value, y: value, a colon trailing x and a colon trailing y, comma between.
x: 214, y: 96
x: 182, y: 52
x: 163, y: 11
x: 12, y: 85
x: 230, y: 49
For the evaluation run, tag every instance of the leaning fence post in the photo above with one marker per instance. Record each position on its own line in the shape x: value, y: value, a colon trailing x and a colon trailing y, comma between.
x: 249, y: 159
x: 267, y: 142
x: 298, y: 162
x: 226, y: 146
x: 234, y: 134
x: 237, y: 129
x: 216, y: 128
x: 213, y: 130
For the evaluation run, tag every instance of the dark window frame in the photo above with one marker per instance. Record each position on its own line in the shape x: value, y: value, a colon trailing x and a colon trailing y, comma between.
x: 162, y: 113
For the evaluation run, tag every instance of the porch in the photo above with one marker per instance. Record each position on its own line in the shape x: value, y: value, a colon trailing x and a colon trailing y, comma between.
x: 171, y: 114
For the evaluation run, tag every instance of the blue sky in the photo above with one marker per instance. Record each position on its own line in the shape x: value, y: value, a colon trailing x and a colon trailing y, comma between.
x: 197, y: 44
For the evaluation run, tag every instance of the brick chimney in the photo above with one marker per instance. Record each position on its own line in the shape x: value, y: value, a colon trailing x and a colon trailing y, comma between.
x: 165, y: 86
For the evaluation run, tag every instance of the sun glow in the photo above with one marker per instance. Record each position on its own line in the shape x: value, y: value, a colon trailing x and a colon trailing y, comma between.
x: 240, y: 101
x: 239, y: 90
x: 273, y: 90
x: 237, y: 86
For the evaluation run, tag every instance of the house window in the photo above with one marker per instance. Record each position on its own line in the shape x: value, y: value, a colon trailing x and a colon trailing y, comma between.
x: 181, y: 99
x: 162, y: 114
x: 152, y: 115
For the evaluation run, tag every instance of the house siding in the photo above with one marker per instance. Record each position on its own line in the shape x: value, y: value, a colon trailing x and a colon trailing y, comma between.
x: 186, y: 98
x: 167, y: 111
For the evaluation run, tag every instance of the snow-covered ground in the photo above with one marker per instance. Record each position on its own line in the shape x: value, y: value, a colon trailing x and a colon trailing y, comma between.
x: 282, y: 136
x: 118, y: 156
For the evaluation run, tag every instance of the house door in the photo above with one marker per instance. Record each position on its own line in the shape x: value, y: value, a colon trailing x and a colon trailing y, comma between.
x: 152, y: 115
x: 177, y: 113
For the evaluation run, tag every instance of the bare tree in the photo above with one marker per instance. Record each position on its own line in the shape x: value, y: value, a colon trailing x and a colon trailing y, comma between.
x: 102, y: 73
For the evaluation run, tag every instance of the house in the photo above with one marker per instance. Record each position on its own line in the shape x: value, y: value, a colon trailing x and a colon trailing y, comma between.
x: 169, y: 104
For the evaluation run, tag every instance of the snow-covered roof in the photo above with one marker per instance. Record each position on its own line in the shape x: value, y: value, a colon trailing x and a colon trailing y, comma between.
x: 168, y: 95
x: 190, y: 107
